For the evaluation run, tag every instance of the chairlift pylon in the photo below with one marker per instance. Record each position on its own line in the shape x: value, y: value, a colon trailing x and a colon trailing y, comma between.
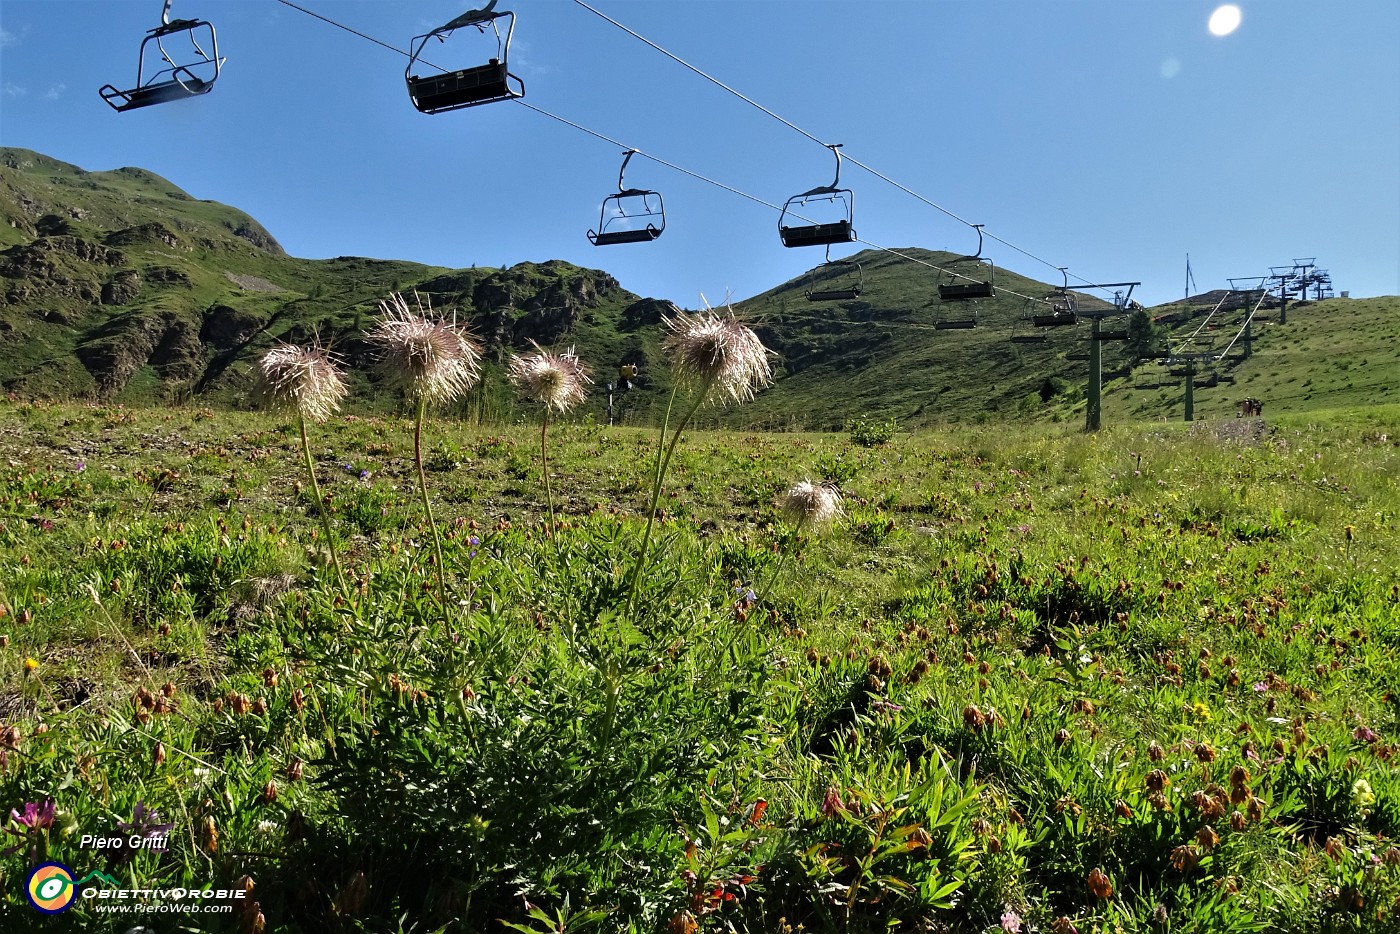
x: 811, y: 233
x: 842, y: 284
x: 466, y: 87
x: 957, y: 286
x: 635, y: 215
x: 193, y: 74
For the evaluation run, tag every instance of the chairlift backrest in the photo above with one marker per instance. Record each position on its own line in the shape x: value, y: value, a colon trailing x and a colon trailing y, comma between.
x: 170, y: 76
x: 466, y: 87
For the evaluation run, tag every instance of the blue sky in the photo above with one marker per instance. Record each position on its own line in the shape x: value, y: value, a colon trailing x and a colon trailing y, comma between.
x: 1110, y: 136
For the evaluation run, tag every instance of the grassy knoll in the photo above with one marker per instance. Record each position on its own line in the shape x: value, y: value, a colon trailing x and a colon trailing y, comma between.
x: 1145, y: 680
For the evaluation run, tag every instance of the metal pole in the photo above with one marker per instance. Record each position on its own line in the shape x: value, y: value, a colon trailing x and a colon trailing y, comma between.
x: 1248, y: 340
x: 1190, y: 392
x: 1091, y: 422
x: 610, y: 405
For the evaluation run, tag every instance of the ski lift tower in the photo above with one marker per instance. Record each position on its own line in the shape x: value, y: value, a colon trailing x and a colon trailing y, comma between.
x: 1122, y: 304
x: 1283, y: 275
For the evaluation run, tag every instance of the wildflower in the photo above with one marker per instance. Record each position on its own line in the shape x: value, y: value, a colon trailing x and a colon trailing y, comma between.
x: 555, y: 380
x: 1010, y: 922
x: 304, y: 378
x: 436, y: 361
x: 37, y: 815
x: 1099, y: 885
x: 808, y: 504
x: 145, y: 822
x: 31, y: 664
x: 709, y: 351
x: 831, y: 802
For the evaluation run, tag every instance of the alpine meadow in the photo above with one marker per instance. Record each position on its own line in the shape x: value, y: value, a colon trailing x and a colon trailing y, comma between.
x: 891, y: 589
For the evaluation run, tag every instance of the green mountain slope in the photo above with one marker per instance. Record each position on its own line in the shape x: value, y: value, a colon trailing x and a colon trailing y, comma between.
x: 120, y: 286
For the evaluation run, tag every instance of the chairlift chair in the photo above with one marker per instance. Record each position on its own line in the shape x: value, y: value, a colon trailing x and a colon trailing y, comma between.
x: 633, y: 215
x: 959, y: 286
x: 843, y: 280
x: 1018, y: 334
x: 801, y: 231
x: 467, y: 87
x: 172, y: 80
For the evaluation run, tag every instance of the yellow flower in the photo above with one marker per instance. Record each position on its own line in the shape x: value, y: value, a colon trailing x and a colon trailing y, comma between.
x: 31, y: 664
x: 1201, y: 711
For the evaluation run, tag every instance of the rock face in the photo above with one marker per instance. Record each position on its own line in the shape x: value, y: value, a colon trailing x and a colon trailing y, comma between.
x: 164, y: 339
x: 227, y: 328
x: 121, y: 288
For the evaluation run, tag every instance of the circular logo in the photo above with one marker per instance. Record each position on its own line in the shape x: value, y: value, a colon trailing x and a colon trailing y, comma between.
x: 50, y: 888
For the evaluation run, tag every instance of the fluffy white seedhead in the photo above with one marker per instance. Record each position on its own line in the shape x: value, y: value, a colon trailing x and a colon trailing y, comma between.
x: 304, y: 378
x: 811, y: 505
x: 435, y: 360
x: 717, y: 354
x: 556, y: 380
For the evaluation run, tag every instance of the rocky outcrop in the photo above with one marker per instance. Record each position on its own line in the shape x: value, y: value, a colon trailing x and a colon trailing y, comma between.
x: 145, y: 234
x: 121, y: 288
x: 226, y: 328
x: 128, y: 342
x: 250, y: 230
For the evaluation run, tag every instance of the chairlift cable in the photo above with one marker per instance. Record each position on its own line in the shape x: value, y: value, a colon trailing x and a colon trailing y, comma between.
x: 657, y: 159
x: 789, y: 124
x: 348, y: 29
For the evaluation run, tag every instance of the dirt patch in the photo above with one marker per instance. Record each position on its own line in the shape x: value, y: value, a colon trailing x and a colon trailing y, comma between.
x: 252, y: 283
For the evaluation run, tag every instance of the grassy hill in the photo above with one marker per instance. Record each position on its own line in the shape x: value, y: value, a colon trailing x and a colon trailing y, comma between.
x: 120, y: 286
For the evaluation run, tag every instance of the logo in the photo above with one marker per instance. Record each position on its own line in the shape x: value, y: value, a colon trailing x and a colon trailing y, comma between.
x: 50, y: 888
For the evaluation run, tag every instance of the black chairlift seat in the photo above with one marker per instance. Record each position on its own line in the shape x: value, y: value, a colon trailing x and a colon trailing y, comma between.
x: 644, y: 235
x: 959, y: 324
x: 816, y: 234
x: 795, y: 230
x: 961, y: 287
x: 178, y: 80
x: 965, y: 292
x: 468, y: 87
x: 1057, y: 320
x: 842, y: 285
x: 1029, y: 339
x: 464, y: 87
x: 833, y: 295
x: 632, y: 215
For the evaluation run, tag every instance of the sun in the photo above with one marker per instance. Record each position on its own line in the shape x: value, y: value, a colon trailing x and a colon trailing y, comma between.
x: 1224, y: 20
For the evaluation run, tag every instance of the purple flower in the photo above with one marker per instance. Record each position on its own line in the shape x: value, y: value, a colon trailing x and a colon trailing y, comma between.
x: 1260, y: 687
x: 144, y: 821
x: 1365, y: 734
x: 1010, y: 922
x: 364, y: 474
x: 36, y: 816
x: 82, y: 465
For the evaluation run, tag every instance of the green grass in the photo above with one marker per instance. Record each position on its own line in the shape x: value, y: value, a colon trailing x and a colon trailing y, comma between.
x: 951, y: 707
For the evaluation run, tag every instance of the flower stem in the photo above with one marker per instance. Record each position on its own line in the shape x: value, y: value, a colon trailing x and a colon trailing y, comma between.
x: 782, y: 559
x: 663, y: 460
x: 321, y: 508
x: 428, y: 508
x: 544, y: 468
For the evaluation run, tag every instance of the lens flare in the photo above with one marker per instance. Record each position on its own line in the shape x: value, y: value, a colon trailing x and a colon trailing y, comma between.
x: 1224, y: 20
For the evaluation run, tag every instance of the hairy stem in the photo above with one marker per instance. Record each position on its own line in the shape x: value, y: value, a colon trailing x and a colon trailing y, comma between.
x: 663, y: 460
x: 428, y: 509
x: 544, y: 468
x: 321, y: 508
x: 782, y: 559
